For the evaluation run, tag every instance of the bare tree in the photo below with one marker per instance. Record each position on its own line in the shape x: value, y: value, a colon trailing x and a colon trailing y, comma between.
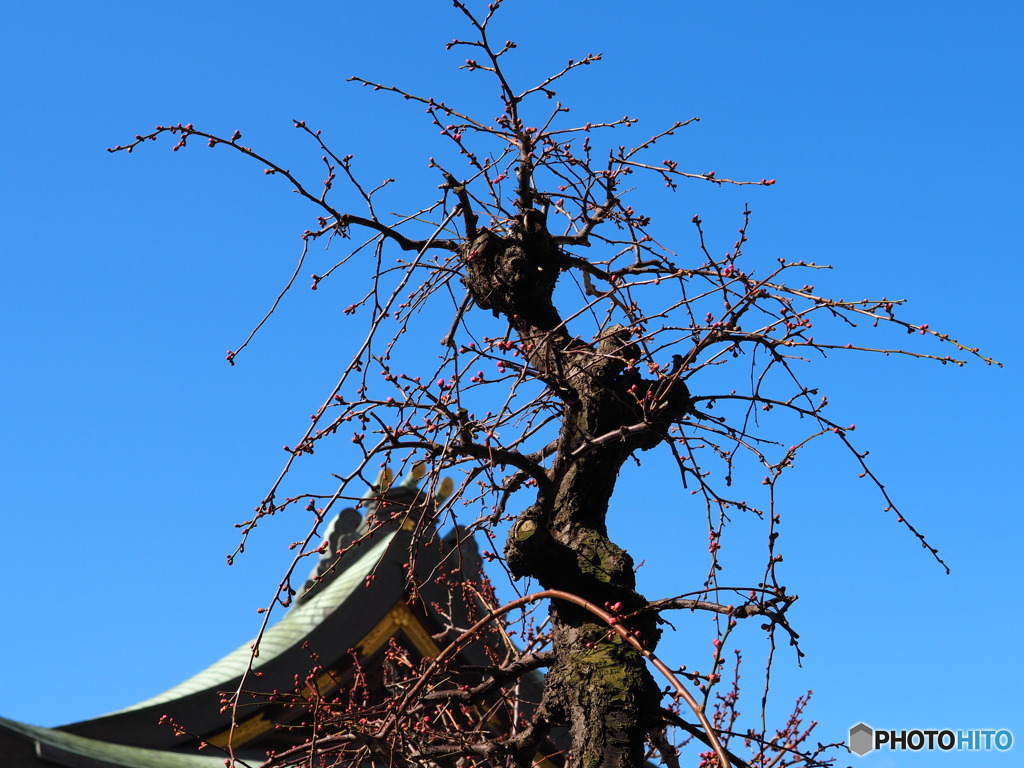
x: 572, y: 340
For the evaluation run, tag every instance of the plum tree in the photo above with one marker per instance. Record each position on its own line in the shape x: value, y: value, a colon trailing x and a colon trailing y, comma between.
x: 572, y: 340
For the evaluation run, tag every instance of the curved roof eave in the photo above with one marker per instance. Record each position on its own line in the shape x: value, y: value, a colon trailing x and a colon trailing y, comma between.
x: 291, y: 630
x: 64, y: 748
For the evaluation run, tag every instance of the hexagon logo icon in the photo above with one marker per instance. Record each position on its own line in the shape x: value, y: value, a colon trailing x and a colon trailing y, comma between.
x: 861, y: 739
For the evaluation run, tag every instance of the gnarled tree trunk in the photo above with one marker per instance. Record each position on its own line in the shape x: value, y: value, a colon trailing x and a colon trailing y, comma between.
x: 599, y: 684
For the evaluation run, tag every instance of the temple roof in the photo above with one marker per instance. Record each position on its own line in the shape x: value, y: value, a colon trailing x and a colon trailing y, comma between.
x: 31, y: 745
x: 356, y: 600
x: 291, y: 631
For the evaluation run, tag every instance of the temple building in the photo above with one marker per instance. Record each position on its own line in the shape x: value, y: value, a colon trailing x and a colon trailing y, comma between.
x: 356, y: 609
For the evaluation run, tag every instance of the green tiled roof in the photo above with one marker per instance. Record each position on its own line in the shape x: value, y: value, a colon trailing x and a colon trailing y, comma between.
x: 293, y: 628
x: 55, y: 745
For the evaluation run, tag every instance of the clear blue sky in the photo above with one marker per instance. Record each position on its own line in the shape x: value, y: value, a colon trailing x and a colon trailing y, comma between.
x: 130, y: 447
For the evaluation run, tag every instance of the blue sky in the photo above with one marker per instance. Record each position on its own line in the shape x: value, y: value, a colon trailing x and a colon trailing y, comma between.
x: 131, y: 448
